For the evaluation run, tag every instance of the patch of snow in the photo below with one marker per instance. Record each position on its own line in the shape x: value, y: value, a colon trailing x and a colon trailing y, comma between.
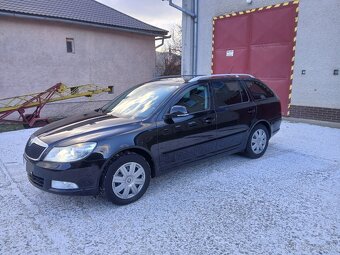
x: 286, y: 202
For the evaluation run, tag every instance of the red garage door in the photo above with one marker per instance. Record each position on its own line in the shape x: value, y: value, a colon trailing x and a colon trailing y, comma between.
x: 260, y: 42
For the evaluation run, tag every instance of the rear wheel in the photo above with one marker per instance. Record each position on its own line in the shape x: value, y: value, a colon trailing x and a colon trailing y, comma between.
x: 127, y: 179
x: 257, y: 142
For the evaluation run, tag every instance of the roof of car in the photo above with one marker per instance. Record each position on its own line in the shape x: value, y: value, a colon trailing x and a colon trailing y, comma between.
x: 193, y: 78
x: 80, y: 11
x: 221, y: 76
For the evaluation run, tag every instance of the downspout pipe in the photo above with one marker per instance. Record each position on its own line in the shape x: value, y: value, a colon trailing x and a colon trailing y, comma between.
x: 187, y: 12
x: 194, y: 16
x: 195, y: 38
x: 162, y: 38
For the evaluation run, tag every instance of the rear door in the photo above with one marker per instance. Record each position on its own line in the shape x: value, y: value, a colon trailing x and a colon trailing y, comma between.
x: 235, y: 113
x: 187, y: 138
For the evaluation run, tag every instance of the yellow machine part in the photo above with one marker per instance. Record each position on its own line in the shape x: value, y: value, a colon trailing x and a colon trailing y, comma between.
x: 63, y: 93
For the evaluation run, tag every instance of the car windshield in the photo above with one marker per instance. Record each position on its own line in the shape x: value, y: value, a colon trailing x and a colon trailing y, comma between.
x: 142, y: 101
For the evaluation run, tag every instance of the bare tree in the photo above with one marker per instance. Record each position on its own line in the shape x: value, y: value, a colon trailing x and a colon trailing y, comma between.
x: 169, y: 58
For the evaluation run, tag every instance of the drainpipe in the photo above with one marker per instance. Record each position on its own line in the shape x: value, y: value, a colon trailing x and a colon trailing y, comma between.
x: 195, y: 35
x: 162, y: 38
x: 194, y: 16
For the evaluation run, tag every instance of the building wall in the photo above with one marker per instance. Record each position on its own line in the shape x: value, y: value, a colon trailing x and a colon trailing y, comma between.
x: 317, y: 49
x: 33, y: 57
x: 317, y: 52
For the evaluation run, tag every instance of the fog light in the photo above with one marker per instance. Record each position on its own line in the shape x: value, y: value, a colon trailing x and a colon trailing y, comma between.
x: 63, y: 185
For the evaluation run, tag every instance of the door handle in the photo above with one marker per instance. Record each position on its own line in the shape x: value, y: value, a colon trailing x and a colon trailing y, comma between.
x: 192, y: 124
x: 250, y: 111
x: 208, y: 120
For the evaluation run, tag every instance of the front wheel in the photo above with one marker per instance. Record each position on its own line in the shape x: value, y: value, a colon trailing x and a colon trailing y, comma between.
x: 257, y: 142
x: 127, y: 179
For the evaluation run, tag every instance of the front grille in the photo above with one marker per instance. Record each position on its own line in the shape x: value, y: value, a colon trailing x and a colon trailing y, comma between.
x: 36, y: 180
x: 35, y: 148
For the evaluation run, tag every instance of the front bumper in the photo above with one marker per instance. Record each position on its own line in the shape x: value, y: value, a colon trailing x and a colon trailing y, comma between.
x: 85, y: 175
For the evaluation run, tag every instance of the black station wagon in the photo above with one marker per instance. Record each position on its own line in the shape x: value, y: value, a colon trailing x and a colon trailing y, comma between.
x: 151, y: 129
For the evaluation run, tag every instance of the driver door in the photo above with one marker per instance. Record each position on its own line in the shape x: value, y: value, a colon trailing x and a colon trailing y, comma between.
x: 186, y: 138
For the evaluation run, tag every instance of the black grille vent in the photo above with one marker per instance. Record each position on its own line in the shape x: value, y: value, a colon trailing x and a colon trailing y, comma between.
x: 36, y: 180
x: 34, y: 150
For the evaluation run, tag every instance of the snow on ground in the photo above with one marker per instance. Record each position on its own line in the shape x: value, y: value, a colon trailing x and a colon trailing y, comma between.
x: 287, y: 202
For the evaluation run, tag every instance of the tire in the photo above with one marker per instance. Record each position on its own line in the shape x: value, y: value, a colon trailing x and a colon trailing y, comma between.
x: 257, y: 142
x: 123, y: 187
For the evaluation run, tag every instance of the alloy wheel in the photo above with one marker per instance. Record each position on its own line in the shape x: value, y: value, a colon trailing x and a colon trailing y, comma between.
x: 128, y: 180
x: 258, y: 141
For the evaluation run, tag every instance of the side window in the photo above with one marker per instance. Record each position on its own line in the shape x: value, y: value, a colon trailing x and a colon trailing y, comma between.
x: 229, y: 93
x: 258, y: 90
x: 196, y: 99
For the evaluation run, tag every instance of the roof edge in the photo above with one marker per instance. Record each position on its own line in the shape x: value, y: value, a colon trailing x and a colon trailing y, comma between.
x: 131, y: 16
x: 162, y: 32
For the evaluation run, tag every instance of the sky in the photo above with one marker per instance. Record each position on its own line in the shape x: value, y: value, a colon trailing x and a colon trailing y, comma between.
x: 154, y: 12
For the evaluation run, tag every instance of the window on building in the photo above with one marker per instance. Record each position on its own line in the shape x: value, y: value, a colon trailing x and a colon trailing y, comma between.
x: 229, y: 93
x: 258, y: 90
x: 70, y: 45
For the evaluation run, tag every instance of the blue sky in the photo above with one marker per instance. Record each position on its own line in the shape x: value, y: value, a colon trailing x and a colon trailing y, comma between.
x: 154, y: 12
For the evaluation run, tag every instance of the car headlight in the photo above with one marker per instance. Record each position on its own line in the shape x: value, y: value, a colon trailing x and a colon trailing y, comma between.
x: 70, y: 153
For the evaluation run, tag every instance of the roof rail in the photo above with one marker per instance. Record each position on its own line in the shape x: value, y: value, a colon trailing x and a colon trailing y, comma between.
x: 186, y: 77
x: 176, y: 76
x: 200, y: 77
x: 197, y: 77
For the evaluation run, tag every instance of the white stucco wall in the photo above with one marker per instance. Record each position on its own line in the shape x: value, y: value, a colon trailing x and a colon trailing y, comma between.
x: 317, y: 52
x: 317, y: 49
x: 33, y: 57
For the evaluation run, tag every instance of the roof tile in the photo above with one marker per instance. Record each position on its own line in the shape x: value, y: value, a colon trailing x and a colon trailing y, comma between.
x: 86, y: 11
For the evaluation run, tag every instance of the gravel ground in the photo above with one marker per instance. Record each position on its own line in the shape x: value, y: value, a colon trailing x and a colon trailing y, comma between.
x: 287, y: 202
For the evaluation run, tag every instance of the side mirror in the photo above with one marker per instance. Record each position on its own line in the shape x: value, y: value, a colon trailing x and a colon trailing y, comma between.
x: 178, y: 111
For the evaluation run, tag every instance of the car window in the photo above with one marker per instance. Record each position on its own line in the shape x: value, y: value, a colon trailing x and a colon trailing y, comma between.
x: 229, y: 93
x: 141, y: 101
x: 195, y: 99
x: 258, y: 90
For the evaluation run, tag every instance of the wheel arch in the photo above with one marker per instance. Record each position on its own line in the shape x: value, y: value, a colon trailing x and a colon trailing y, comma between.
x: 145, y: 154
x: 140, y: 151
x: 265, y: 123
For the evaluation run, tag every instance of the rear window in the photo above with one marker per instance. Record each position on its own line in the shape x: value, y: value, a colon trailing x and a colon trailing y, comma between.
x: 228, y: 93
x: 258, y: 90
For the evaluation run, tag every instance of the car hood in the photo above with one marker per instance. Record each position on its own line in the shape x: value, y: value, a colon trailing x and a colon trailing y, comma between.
x: 85, y: 127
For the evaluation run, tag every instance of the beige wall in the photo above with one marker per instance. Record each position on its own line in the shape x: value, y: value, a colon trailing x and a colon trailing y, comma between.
x: 33, y: 57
